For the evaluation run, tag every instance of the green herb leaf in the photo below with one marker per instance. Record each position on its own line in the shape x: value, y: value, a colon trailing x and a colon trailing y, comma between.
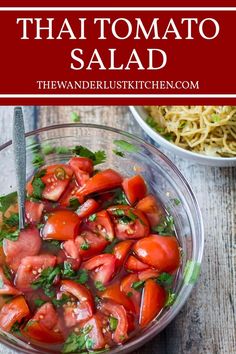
x: 166, y: 227
x: 92, y: 217
x: 13, y: 220
x: 68, y: 272
x: 113, y: 322
x: 138, y: 285
x: 74, y: 203
x: 46, y: 279
x: 39, y: 302
x: 170, y: 299
x: 38, y: 185
x: 154, y: 125
x: 75, y: 117
x: 76, y: 342
x: 16, y: 329
x: 169, y: 136
x: 126, y: 146
x: 85, y: 246
x: 97, y: 157
x: 7, y: 200
x: 99, y: 286
x: 119, y: 153
x: 191, y: 272
x: 165, y: 279
x: 129, y: 294
x: 6, y: 271
x: 63, y: 150
x: 81, y: 276
x: 176, y: 201
x: 60, y: 302
x: 215, y: 118
x: 53, y: 243
x: 120, y: 198
x: 38, y: 160
x: 8, y: 234
x: 109, y: 248
x: 48, y: 149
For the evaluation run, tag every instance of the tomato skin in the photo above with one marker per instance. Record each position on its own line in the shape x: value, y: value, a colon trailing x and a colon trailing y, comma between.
x: 137, y: 228
x: 82, y: 168
x: 152, y: 210
x: 134, y: 188
x: 25, y: 276
x: 96, y: 332
x: 117, y: 311
x: 28, y: 244
x: 33, y: 211
x: 114, y: 293
x: 69, y: 193
x: 6, y: 287
x: 102, y: 181
x: 153, y: 301
x: 13, y: 311
x: 135, y: 265
x: 105, y: 263
x: 87, y: 208
x: 102, y: 225
x: 160, y: 252
x: 148, y: 273
x: 121, y: 251
x: 44, y: 326
x: 126, y: 288
x: 62, y: 225
x: 79, y: 291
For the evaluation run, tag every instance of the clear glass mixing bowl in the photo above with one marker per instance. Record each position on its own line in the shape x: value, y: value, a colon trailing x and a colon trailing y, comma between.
x: 164, y: 180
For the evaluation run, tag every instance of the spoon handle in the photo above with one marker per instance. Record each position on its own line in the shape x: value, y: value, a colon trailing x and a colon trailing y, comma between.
x: 19, y: 151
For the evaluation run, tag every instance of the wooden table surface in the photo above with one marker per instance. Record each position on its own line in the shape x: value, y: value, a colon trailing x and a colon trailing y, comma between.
x: 207, y: 323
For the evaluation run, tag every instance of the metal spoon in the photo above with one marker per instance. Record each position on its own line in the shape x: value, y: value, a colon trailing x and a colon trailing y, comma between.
x: 19, y: 151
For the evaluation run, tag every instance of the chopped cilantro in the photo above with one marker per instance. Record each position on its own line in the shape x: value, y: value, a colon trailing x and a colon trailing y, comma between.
x: 113, y: 322
x: 13, y: 220
x: 7, y: 200
x: 85, y: 246
x: 169, y: 136
x: 53, y: 243
x: 118, y: 153
x: 77, y: 342
x: 166, y: 227
x: 8, y: 234
x: 176, y: 201
x: 16, y: 329
x: 39, y: 302
x: 38, y: 160
x: 99, y: 286
x: 109, y: 248
x: 126, y: 146
x: 92, y: 217
x: 48, y: 149
x: 38, y: 185
x: 138, y: 285
x: 170, y: 299
x: 154, y: 125
x: 67, y: 271
x: 59, y: 302
x: 80, y: 276
x: 129, y: 294
x: 75, y: 117
x: 63, y: 150
x: 6, y: 271
x: 165, y: 279
x: 46, y: 279
x: 97, y: 157
x: 74, y: 203
x: 120, y: 198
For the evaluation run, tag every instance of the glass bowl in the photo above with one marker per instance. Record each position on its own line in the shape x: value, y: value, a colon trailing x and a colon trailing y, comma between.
x: 164, y: 180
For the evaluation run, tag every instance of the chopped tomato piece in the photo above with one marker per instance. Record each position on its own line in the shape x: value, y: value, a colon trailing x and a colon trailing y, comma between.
x: 6, y: 287
x: 102, y: 225
x: 30, y: 268
x: 135, y: 188
x: 28, y: 244
x: 69, y: 194
x: 130, y: 223
x: 82, y: 167
x: 45, y: 326
x: 12, y: 312
x: 148, y: 273
x: 95, y: 333
x: 160, y: 252
x: 86, y: 245
x: 87, y: 208
x: 135, y: 265
x: 33, y: 211
x: 117, y: 311
x: 102, y: 181
x: 114, y: 293
x: 62, y: 225
x: 151, y: 209
x: 102, y: 267
x: 153, y: 301
x: 63, y: 257
x: 127, y: 289
x: 121, y: 251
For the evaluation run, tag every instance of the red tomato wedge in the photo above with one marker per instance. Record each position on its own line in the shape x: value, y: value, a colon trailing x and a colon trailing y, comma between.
x: 95, y: 333
x: 33, y: 211
x: 28, y: 244
x: 130, y: 223
x: 135, y: 188
x: 121, y: 251
x: 82, y: 167
x: 114, y: 293
x: 30, y: 268
x: 87, y: 245
x: 135, y: 265
x: 87, y: 208
x: 44, y: 326
x: 160, y: 252
x: 69, y: 194
x: 102, y: 267
x: 6, y: 287
x: 12, y: 312
x: 153, y: 301
x: 107, y: 179
x: 151, y: 209
x: 102, y: 225
x: 117, y: 311
x: 127, y: 289
x: 148, y: 273
x: 62, y: 225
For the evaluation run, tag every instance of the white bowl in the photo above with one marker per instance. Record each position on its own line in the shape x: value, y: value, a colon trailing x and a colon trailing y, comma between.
x: 140, y: 115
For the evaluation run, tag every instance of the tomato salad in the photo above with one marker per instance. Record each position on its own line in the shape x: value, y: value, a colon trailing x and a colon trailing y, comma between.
x: 95, y: 263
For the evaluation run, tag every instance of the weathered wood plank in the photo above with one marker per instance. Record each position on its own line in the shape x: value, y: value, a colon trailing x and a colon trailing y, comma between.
x: 206, y: 324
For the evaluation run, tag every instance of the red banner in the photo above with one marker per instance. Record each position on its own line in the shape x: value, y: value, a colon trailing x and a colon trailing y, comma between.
x: 117, y: 55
